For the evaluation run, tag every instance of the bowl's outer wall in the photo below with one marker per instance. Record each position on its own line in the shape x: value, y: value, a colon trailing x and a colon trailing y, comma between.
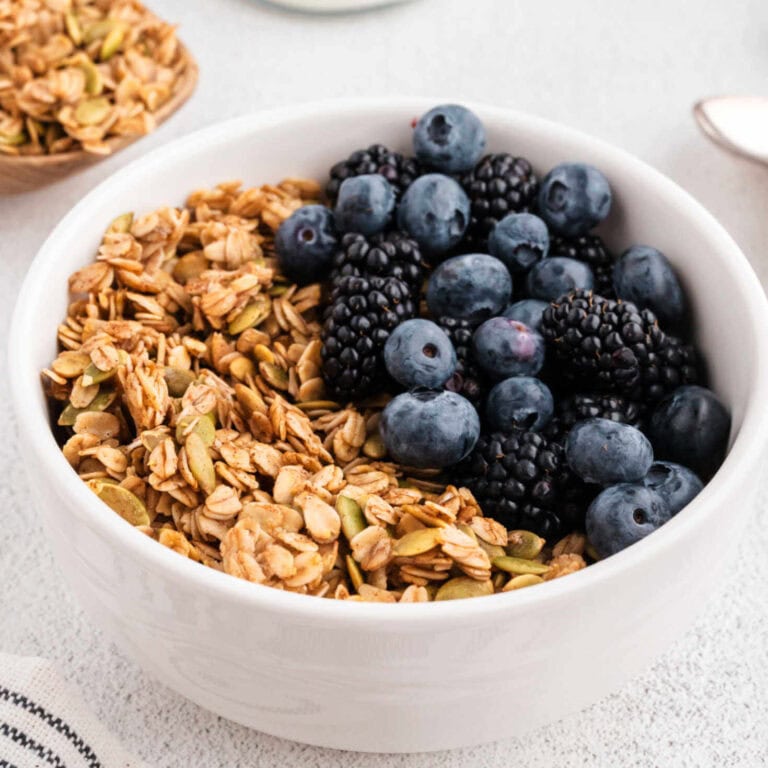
x: 377, y: 680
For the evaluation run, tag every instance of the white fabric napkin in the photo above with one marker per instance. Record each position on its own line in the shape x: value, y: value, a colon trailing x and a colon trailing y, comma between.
x: 45, y: 724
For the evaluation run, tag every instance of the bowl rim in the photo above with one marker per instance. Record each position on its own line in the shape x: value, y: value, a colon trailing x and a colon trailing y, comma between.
x: 739, y: 463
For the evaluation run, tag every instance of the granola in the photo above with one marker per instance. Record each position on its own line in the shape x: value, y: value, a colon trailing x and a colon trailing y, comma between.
x: 74, y: 73
x: 187, y: 394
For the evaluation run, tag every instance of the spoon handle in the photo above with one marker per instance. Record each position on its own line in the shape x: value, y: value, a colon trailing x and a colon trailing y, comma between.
x: 738, y: 124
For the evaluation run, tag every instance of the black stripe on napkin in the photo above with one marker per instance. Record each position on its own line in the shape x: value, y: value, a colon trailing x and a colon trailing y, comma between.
x: 21, y: 738
x: 20, y: 700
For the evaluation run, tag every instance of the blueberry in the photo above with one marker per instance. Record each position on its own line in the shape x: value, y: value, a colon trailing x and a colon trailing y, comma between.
x: 449, y: 138
x: 645, y: 277
x: 519, y: 240
x: 676, y: 484
x: 434, y: 211
x: 553, y: 277
x: 521, y: 401
x: 425, y: 428
x: 305, y: 243
x: 622, y: 515
x: 418, y: 353
x: 473, y: 287
x: 504, y: 347
x: 573, y: 198
x: 364, y: 205
x: 527, y: 311
x: 691, y: 426
x: 605, y: 452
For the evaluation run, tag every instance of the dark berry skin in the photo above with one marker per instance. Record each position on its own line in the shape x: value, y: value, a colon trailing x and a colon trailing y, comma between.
x: 574, y: 198
x: 527, y: 311
x: 606, y: 452
x: 418, y: 353
x: 399, y: 171
x: 522, y: 480
x: 425, y: 428
x: 504, y: 348
x: 468, y: 379
x: 434, y: 211
x: 364, y: 205
x: 592, y: 251
x: 519, y: 240
x: 305, y: 243
x: 472, y: 287
x: 676, y: 484
x: 521, y: 401
x: 645, y: 277
x: 551, y: 278
x: 571, y: 409
x: 449, y: 139
x: 499, y: 184
x: 622, y: 515
x: 691, y: 427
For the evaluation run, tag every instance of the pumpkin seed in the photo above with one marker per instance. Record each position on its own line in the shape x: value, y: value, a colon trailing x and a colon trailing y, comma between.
x: 241, y: 368
x: 13, y: 139
x: 492, y: 550
x: 92, y: 111
x: 523, y: 580
x: 177, y: 379
x: 274, y: 375
x: 74, y: 30
x: 374, y: 447
x: 94, y: 83
x: 200, y: 463
x: 121, y: 223
x: 97, y: 30
x: 252, y: 315
x: 319, y: 405
x: 355, y: 574
x: 263, y: 354
x: 101, y: 402
x: 352, y: 520
x: 113, y: 41
x: 417, y: 542
x: 463, y: 586
x: 205, y: 428
x: 93, y: 375
x: 128, y: 505
x: 524, y: 544
x: 518, y: 565
x: 249, y: 399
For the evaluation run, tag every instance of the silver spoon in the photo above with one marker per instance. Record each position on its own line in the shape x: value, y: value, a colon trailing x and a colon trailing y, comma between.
x: 736, y: 123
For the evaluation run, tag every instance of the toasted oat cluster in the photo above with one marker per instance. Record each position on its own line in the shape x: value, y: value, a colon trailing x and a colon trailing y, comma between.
x: 188, y: 397
x: 75, y: 72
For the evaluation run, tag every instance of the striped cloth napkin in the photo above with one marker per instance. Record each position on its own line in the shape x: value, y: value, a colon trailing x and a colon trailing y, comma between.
x: 44, y: 723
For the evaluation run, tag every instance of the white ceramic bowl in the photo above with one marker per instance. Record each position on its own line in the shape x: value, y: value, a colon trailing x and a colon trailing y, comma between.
x: 397, y: 677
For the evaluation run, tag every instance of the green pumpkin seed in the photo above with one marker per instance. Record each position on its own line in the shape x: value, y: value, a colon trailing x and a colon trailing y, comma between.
x: 101, y: 402
x: 97, y: 30
x: 518, y: 565
x: 241, y: 367
x: 92, y: 111
x: 113, y: 41
x: 94, y: 375
x: 178, y: 379
x: 94, y: 83
x: 13, y: 139
x: 524, y: 544
x: 492, y: 550
x: 200, y: 463
x: 523, y: 580
x: 274, y: 375
x: 252, y: 315
x: 205, y: 428
x: 374, y: 447
x: 74, y: 30
x: 352, y: 520
x: 463, y: 586
x: 355, y: 574
x: 121, y: 223
x: 128, y: 505
x: 417, y: 542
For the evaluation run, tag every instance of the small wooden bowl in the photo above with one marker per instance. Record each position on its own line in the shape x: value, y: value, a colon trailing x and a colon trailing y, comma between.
x: 25, y: 173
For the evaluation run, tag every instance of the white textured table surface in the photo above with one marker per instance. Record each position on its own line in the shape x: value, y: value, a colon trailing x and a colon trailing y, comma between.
x: 627, y: 72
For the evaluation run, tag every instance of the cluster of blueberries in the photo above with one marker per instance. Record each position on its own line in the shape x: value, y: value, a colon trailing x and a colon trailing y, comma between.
x: 428, y: 425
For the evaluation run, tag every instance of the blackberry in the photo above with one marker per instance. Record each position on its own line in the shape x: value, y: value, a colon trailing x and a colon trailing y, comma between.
x: 497, y: 185
x: 591, y: 250
x: 591, y: 405
x: 521, y: 479
x: 389, y: 254
x: 600, y: 343
x: 672, y: 364
x: 357, y: 322
x: 468, y: 379
x: 398, y: 170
